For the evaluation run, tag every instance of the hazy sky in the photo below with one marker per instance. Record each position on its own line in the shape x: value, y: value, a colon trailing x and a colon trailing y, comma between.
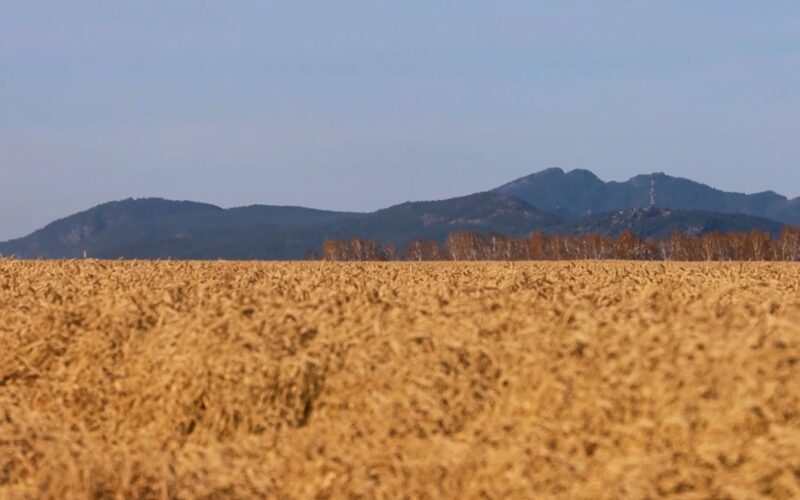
x: 358, y: 105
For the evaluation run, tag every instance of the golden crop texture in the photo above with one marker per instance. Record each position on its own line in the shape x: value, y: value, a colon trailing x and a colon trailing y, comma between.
x: 431, y: 380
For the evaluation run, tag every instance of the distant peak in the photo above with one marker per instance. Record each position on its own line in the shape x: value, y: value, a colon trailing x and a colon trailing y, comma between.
x: 551, y: 170
x: 582, y: 172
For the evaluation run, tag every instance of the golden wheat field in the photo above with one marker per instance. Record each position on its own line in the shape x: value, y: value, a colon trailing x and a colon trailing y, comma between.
x: 582, y: 380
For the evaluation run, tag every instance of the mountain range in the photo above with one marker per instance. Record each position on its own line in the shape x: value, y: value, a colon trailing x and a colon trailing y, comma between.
x: 551, y: 201
x: 579, y: 193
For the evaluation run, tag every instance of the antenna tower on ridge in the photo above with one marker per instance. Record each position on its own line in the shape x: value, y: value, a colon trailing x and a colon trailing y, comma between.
x: 652, y: 191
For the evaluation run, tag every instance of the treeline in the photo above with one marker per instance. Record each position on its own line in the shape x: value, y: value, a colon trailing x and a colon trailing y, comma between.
x: 754, y: 246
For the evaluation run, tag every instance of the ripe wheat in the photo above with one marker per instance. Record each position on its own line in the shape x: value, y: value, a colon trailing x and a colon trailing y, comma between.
x: 315, y: 380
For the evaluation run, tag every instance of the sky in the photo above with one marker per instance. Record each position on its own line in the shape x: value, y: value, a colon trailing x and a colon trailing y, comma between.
x: 357, y: 105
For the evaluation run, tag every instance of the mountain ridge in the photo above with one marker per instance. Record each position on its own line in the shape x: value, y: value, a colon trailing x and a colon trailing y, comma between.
x: 159, y: 228
x: 580, y: 192
x: 267, y: 231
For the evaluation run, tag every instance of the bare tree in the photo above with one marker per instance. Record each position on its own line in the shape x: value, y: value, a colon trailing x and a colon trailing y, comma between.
x: 356, y: 249
x: 755, y: 245
x: 789, y: 243
x: 760, y: 245
x: 422, y: 250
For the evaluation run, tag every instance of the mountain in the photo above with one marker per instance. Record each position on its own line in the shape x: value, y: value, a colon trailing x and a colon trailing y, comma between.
x: 397, y: 225
x: 578, y: 193
x: 550, y: 201
x: 155, y: 228
x: 659, y: 223
x: 434, y: 220
x: 150, y: 226
x: 106, y: 224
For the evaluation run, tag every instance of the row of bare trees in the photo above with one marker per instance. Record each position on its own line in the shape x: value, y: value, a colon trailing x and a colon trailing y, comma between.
x: 755, y: 245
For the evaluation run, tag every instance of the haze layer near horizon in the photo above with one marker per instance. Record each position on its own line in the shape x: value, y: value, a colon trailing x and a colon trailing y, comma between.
x: 358, y: 105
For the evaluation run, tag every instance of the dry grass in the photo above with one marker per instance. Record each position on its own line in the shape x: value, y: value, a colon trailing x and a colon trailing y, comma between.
x: 238, y: 380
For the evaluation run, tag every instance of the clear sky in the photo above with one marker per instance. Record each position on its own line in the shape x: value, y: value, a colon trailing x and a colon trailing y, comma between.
x: 359, y: 105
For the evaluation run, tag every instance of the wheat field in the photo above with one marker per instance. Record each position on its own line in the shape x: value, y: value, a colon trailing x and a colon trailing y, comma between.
x: 578, y: 380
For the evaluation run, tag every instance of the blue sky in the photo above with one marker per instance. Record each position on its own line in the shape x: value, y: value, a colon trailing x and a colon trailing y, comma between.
x: 359, y: 105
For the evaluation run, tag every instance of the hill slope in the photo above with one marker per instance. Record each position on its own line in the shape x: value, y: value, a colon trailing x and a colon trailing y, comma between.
x: 481, y: 212
x: 660, y: 223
